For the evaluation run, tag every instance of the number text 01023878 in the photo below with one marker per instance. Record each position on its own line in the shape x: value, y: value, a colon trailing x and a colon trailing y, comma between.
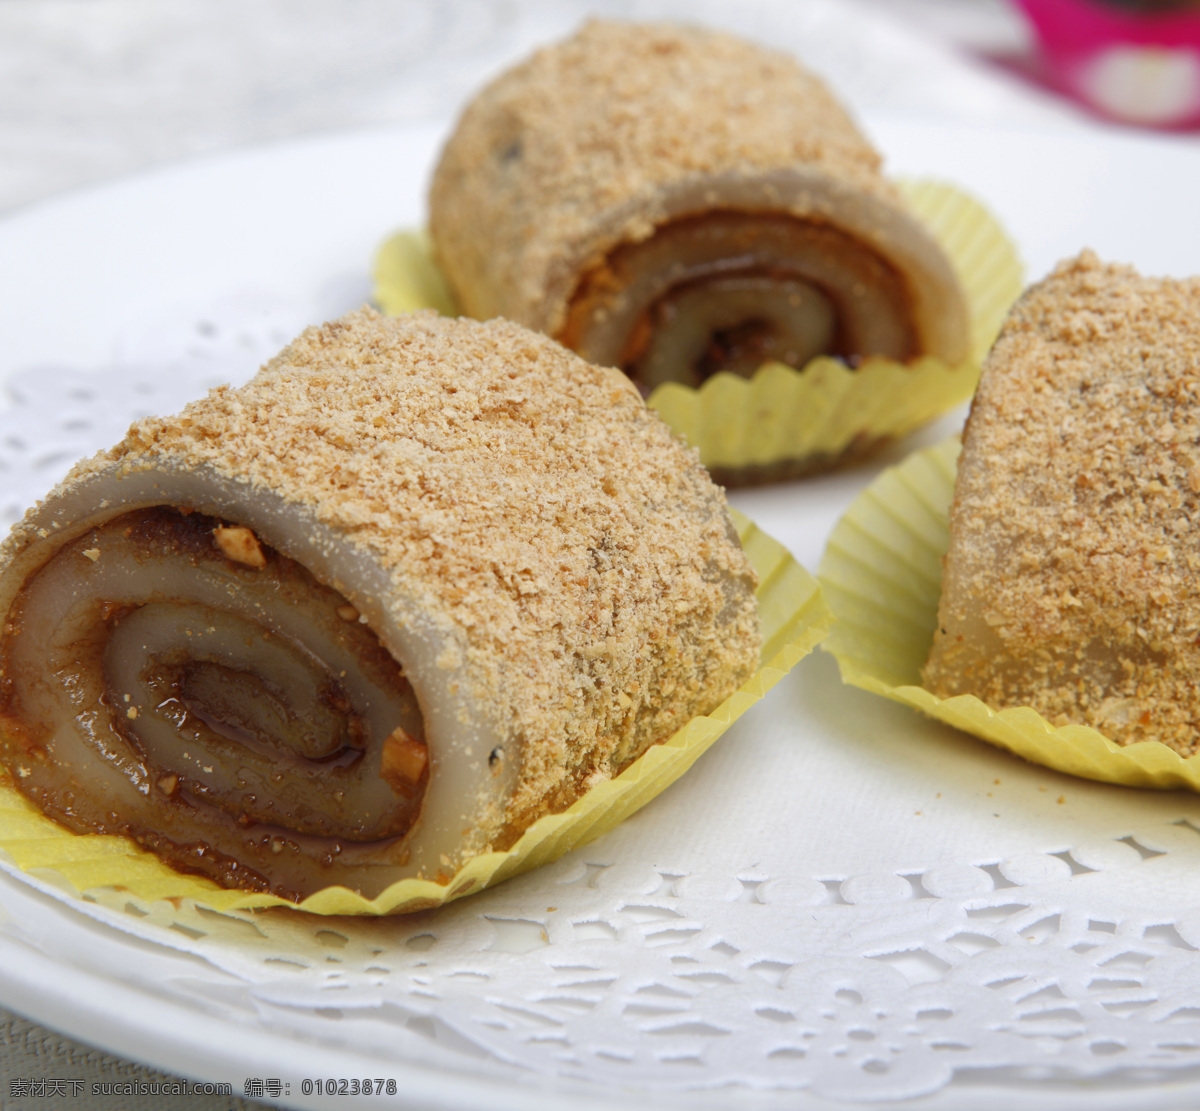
x: 350, y: 1087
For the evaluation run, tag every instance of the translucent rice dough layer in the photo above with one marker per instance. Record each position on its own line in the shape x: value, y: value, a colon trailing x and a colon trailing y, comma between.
x: 374, y: 613
x: 678, y: 202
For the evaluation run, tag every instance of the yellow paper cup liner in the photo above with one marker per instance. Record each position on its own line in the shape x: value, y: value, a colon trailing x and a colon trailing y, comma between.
x: 407, y: 279
x: 783, y: 422
x: 794, y: 618
x: 882, y: 575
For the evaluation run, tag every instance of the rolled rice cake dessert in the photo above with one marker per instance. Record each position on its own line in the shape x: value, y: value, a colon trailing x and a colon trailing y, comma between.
x: 1072, y: 580
x: 677, y: 202
x: 417, y: 584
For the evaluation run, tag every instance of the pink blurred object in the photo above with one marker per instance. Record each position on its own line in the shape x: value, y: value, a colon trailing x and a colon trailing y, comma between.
x: 1134, y: 62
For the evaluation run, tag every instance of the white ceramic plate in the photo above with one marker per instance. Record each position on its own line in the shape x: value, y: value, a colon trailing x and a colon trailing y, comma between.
x: 823, y: 789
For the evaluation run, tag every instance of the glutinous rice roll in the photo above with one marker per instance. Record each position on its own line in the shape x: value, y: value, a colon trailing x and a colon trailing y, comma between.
x: 1072, y: 579
x: 676, y: 202
x: 418, y: 583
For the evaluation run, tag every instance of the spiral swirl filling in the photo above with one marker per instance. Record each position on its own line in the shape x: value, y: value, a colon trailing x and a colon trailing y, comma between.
x: 729, y: 291
x: 169, y: 677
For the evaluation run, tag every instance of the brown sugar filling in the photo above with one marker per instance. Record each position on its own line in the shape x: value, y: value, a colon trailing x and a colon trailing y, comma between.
x: 168, y: 668
x: 729, y: 291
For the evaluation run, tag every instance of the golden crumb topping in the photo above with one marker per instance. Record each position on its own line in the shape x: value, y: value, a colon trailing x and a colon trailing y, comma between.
x: 1072, y: 582
x: 581, y: 146
x: 540, y: 507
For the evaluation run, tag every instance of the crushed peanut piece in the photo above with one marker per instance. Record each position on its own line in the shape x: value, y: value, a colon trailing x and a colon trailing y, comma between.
x: 402, y: 762
x: 239, y: 544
